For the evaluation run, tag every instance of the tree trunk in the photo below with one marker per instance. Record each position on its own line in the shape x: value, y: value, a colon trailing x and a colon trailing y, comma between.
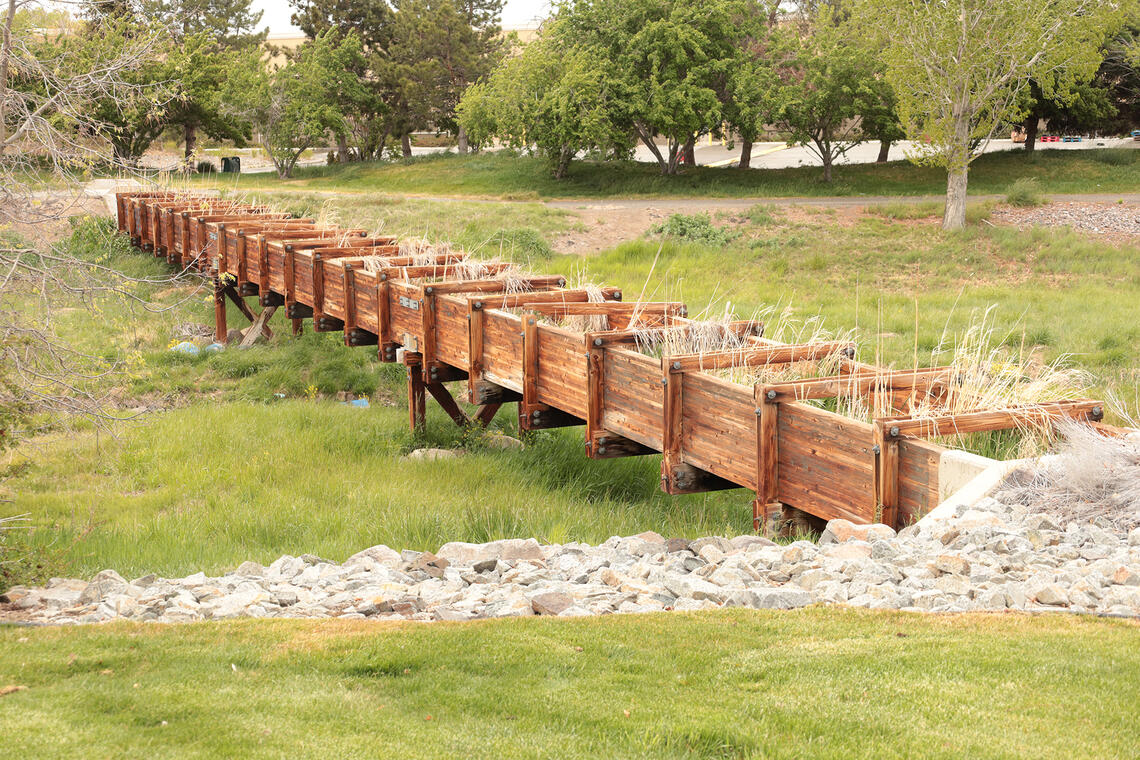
x: 955, y: 217
x: 461, y: 139
x: 406, y: 145
x: 884, y: 151
x: 1030, y: 134
x: 564, y: 157
x: 745, y: 153
x: 690, y: 152
x: 826, y: 157
x: 342, y: 148
x: 190, y: 135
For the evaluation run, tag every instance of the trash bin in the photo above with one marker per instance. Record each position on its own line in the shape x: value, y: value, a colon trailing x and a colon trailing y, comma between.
x: 227, y: 166
x: 231, y: 165
x: 236, y: 161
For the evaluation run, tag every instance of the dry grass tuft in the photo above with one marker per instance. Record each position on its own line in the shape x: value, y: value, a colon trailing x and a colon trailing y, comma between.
x: 1093, y: 478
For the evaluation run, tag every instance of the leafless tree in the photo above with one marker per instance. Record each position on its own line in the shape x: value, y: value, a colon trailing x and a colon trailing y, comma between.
x: 49, y: 139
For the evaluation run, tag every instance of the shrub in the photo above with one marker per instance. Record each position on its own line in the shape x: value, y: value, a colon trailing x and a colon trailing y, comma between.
x: 1025, y: 193
x: 693, y: 228
x: 206, y: 167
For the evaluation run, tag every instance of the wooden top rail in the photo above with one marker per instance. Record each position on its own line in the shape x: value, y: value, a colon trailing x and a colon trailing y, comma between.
x: 359, y: 262
x: 269, y: 225
x: 856, y: 384
x: 518, y: 300
x: 745, y: 327
x: 494, y: 286
x: 755, y: 357
x: 448, y: 270
x: 586, y: 308
x: 1003, y: 419
x: 382, y: 252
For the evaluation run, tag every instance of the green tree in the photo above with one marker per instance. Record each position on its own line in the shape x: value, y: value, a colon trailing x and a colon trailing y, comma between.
x: 667, y: 60
x: 960, y: 69
x: 207, y: 37
x: 554, y: 98
x: 824, y: 81
x: 296, y: 106
x: 746, y: 100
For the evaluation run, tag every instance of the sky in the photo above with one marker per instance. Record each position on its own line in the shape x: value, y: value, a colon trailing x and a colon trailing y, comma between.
x: 516, y: 13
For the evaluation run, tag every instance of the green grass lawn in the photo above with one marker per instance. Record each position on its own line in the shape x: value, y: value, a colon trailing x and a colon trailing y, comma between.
x: 812, y: 683
x: 201, y: 486
x: 505, y: 175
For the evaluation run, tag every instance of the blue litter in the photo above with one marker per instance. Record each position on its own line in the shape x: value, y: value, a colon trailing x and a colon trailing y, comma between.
x: 186, y: 347
x: 360, y: 403
x: 214, y: 347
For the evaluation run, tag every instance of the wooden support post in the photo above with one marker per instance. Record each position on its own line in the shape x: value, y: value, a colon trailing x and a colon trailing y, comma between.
x: 417, y: 406
x: 298, y: 327
x: 671, y: 405
x: 886, y: 474
x: 595, y: 393
x: 443, y: 397
x: 387, y: 350
x: 427, y: 325
x: 474, y: 347
x: 767, y: 456
x: 220, y: 330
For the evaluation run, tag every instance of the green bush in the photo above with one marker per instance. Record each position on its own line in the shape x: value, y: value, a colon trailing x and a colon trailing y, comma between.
x: 1025, y: 193
x: 206, y: 167
x: 694, y: 228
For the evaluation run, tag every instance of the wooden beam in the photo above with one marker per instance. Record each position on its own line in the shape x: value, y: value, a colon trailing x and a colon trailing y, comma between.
x: 444, y: 398
x: 1004, y: 419
x: 860, y: 383
x: 494, y: 285
x: 754, y: 357
x: 258, y: 328
x: 516, y: 300
x: 220, y: 330
x: 486, y: 413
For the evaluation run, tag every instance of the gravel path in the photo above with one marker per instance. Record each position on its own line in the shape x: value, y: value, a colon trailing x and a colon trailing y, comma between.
x: 1098, y: 218
x: 994, y: 556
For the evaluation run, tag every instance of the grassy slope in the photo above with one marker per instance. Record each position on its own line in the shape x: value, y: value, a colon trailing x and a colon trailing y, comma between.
x: 157, y: 499
x: 905, y: 283
x: 821, y: 683
x: 502, y: 175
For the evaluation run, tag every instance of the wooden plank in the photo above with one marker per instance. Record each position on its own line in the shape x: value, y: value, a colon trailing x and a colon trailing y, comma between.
x: 859, y: 383
x: 825, y: 463
x: 1005, y: 419
x: 759, y: 356
x: 767, y: 449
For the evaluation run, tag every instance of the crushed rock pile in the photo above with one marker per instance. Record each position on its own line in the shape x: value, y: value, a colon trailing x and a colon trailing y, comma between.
x: 993, y: 556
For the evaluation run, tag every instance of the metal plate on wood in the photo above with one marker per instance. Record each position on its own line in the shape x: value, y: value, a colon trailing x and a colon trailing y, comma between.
x: 409, y: 303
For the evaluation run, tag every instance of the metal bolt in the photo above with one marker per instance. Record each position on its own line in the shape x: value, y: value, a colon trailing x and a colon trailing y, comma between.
x: 597, y: 341
x: 601, y: 449
x: 617, y: 295
x: 771, y: 395
x: 875, y: 448
x: 894, y: 431
x: 759, y: 411
x: 1097, y: 412
x: 429, y: 290
x: 478, y: 304
x: 676, y: 365
x: 664, y: 381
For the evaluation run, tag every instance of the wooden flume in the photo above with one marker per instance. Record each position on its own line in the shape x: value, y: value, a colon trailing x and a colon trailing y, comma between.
x: 490, y: 333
